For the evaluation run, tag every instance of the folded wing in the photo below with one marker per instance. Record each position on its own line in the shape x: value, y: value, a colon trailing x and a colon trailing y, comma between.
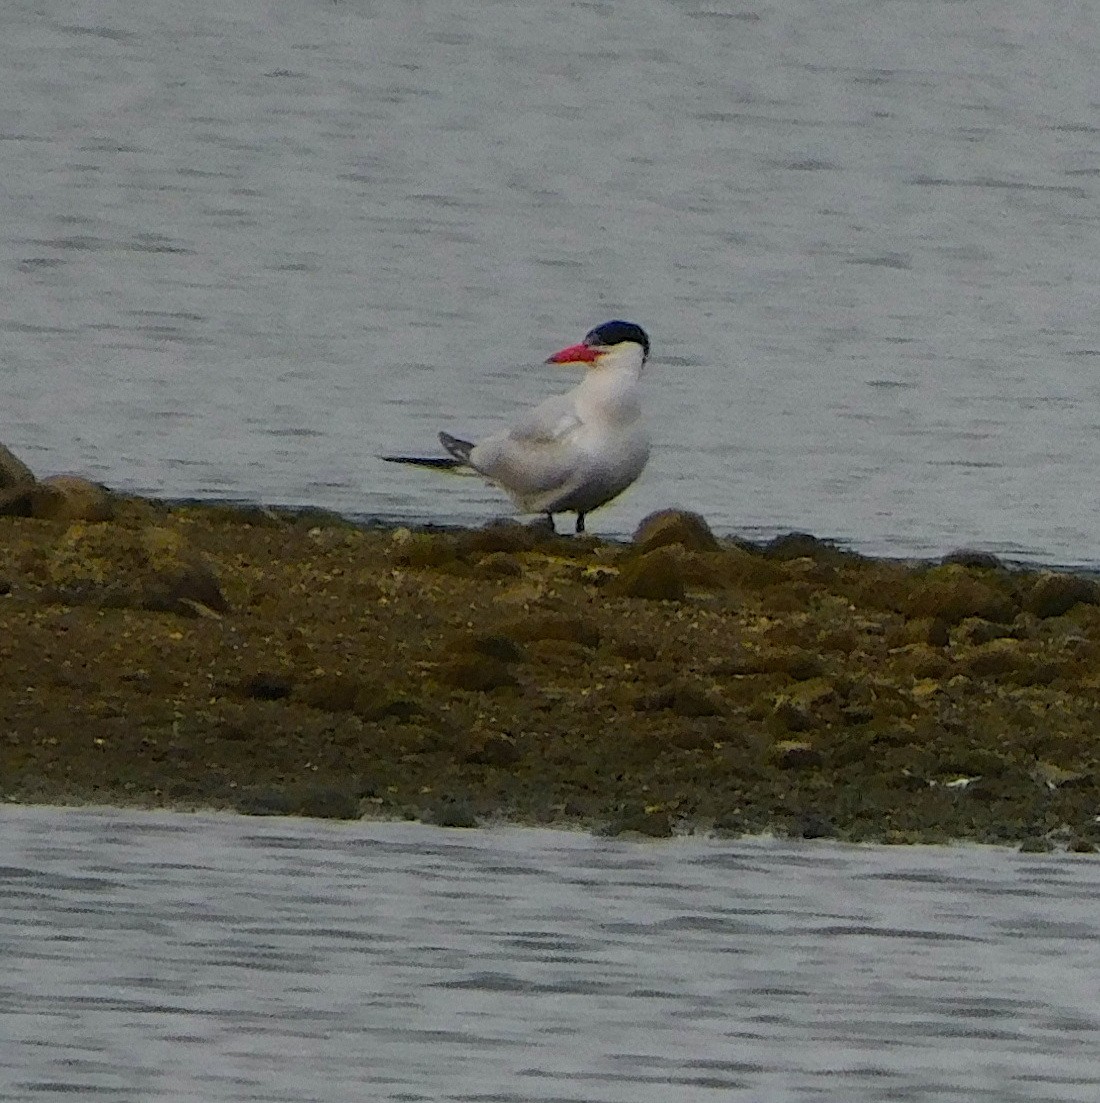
x: 535, y: 456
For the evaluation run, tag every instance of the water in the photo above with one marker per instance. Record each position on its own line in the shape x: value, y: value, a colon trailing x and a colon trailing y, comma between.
x: 172, y: 957
x: 247, y: 248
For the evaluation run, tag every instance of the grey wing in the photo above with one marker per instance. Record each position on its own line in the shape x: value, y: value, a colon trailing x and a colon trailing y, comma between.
x: 533, y: 457
x: 548, y: 422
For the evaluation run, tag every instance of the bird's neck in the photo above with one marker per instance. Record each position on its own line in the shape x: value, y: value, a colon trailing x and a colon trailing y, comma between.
x: 627, y: 357
x: 609, y: 390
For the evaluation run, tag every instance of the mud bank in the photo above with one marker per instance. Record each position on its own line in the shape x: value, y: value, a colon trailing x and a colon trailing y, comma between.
x: 206, y: 656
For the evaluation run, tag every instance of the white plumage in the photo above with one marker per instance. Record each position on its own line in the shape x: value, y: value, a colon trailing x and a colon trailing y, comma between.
x: 576, y: 451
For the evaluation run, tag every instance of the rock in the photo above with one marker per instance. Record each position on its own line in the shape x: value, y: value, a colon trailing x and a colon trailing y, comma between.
x: 476, y: 673
x: 71, y: 498
x: 500, y: 647
x: 813, y: 691
x: 420, y: 550
x: 751, y: 570
x: 975, y: 631
x: 674, y: 526
x: 525, y: 593
x: 332, y: 802
x: 1053, y: 594
x: 329, y: 802
x: 682, y: 698
x: 15, y: 501
x: 185, y: 586
x: 656, y: 576
x: 267, y: 687
x: 13, y: 471
x: 801, y: 545
x: 552, y: 627
x: 995, y: 658
x: 799, y: 707
x: 952, y: 594
x: 499, y: 565
x: 331, y: 693
x: 637, y: 650
x: 374, y: 705
x: 151, y: 568
x: 702, y: 570
x: 560, y: 655
x: 370, y: 700
x: 932, y: 631
x: 970, y: 557
x: 506, y: 537
x: 259, y: 801
x: 919, y: 660
x: 789, y: 715
x: 496, y: 750
x: 925, y: 689
x: 451, y: 812
x: 813, y: 825
x: 694, y: 737
x: 795, y: 754
x: 655, y: 823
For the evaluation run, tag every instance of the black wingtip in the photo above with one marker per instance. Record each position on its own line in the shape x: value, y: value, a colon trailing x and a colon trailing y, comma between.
x: 440, y: 463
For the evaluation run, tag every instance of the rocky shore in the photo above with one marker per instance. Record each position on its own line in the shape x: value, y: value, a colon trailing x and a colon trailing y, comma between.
x: 280, y: 663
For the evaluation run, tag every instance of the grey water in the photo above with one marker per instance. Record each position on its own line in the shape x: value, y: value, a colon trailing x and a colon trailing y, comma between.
x: 209, y: 958
x: 246, y: 248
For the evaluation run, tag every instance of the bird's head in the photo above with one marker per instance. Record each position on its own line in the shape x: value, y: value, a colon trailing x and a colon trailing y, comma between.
x: 610, y: 340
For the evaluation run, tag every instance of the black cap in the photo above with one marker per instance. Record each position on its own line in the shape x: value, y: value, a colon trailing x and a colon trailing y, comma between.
x: 615, y: 333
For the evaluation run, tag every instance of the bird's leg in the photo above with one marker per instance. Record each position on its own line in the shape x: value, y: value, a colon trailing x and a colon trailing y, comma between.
x: 580, y: 523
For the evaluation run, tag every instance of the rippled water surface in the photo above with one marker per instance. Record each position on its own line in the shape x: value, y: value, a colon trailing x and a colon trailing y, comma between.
x: 178, y: 957
x: 247, y: 247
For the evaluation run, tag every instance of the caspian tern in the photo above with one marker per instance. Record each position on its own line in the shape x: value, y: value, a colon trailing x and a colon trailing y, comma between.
x: 576, y: 451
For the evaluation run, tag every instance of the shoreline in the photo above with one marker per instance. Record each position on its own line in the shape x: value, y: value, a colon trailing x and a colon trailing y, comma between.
x: 570, y: 833
x: 752, y: 537
x: 198, y: 656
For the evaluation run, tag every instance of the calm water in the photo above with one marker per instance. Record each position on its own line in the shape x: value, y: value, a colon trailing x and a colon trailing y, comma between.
x: 171, y: 957
x: 245, y: 248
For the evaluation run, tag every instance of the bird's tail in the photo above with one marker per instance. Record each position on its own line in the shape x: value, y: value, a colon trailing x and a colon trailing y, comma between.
x: 460, y: 449
x: 459, y: 457
x: 440, y: 463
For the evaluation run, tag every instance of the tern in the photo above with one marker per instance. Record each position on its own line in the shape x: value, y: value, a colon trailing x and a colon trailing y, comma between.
x: 573, y: 452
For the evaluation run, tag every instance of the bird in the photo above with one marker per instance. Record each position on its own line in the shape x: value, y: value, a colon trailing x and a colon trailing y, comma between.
x: 573, y: 452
